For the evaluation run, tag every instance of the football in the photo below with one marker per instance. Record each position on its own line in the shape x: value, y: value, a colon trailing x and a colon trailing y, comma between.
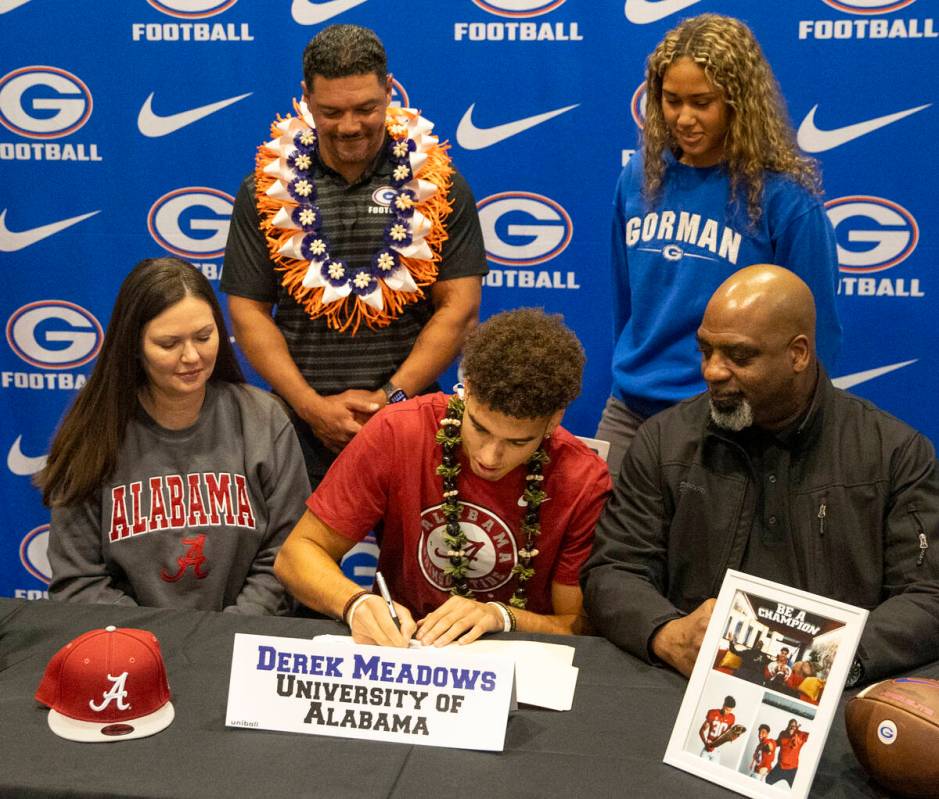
x: 893, y: 727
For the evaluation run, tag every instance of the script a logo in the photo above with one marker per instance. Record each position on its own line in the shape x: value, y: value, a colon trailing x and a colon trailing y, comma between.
x: 869, y: 6
x: 518, y: 8
x: 192, y: 9
x: 638, y: 105
x: 34, y: 553
x: 117, y: 693
x: 523, y: 229
x: 887, y: 227
x: 54, y: 334
x: 43, y: 102
x: 176, y: 219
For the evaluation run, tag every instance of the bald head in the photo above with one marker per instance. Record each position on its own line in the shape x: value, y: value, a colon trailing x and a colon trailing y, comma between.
x: 757, y: 341
x: 767, y: 300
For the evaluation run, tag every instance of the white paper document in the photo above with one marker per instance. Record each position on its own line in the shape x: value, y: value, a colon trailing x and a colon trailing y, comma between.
x: 544, y: 674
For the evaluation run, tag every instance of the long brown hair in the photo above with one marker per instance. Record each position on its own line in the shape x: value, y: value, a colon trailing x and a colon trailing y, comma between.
x: 84, y: 450
x: 759, y: 135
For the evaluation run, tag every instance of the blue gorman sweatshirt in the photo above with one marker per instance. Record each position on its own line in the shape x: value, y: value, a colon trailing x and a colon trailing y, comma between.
x: 669, y: 259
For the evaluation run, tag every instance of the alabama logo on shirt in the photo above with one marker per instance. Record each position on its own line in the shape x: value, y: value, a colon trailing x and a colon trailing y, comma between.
x: 492, y: 550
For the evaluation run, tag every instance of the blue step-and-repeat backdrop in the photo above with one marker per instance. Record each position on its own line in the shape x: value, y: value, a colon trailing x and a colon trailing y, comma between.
x: 126, y: 127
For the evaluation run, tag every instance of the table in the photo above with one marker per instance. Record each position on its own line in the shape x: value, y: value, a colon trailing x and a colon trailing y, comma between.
x: 610, y: 744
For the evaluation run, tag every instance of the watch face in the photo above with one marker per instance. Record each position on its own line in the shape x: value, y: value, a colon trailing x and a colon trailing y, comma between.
x: 397, y: 395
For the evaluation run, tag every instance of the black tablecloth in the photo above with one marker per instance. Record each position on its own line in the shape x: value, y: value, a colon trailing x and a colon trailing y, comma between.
x: 610, y: 744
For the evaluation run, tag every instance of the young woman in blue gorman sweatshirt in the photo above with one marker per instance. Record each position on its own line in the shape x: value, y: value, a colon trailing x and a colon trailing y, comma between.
x: 719, y: 184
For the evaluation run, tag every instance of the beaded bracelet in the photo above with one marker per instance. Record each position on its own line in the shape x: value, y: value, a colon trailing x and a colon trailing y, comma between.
x: 349, y: 603
x: 512, y: 617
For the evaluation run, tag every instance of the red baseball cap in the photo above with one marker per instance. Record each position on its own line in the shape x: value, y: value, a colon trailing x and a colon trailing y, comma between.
x: 107, y: 685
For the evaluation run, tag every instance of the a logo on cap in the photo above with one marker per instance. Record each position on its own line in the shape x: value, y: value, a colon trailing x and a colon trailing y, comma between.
x: 116, y: 693
x: 136, y: 703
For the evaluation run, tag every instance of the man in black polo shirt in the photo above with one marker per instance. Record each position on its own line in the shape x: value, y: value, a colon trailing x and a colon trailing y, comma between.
x: 775, y: 472
x: 358, y: 229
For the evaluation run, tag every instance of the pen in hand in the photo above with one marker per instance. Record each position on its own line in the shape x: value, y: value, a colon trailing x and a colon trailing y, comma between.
x: 383, y: 590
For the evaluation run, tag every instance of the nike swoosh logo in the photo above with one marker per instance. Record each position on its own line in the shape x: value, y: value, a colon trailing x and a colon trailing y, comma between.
x: 153, y: 125
x: 21, y: 464
x: 642, y: 12
x: 306, y: 12
x: 847, y: 381
x: 11, y: 242
x: 9, y: 5
x: 469, y: 137
x: 813, y: 140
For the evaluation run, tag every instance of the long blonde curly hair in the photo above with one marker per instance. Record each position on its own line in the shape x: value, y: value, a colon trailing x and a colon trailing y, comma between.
x: 759, y: 135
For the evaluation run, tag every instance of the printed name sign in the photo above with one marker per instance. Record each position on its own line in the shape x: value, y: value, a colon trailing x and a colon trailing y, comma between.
x: 434, y: 697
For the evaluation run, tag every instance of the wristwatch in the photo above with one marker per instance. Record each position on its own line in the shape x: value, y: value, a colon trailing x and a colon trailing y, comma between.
x: 393, y: 393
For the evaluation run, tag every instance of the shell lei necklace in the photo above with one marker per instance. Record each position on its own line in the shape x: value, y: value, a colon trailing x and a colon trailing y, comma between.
x: 448, y: 436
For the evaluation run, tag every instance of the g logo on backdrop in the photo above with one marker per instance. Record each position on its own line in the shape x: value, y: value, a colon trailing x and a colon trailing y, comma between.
x: 874, y: 234
x: 523, y: 229
x: 192, y: 222
x: 54, y: 334
x: 41, y: 102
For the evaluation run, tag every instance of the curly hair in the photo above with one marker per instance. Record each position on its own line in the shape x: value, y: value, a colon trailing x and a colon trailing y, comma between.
x: 342, y: 50
x: 759, y: 134
x: 524, y: 363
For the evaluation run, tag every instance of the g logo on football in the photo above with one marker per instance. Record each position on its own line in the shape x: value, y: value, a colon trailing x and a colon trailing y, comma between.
x: 889, y: 230
x: 518, y: 8
x: 34, y: 553
x: 868, y: 6
x: 177, y: 218
x: 523, y: 229
x: 192, y: 9
x: 54, y: 334
x: 43, y: 102
x: 887, y: 732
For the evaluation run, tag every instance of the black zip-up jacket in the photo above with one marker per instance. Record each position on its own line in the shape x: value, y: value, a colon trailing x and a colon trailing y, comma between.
x: 863, y: 513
